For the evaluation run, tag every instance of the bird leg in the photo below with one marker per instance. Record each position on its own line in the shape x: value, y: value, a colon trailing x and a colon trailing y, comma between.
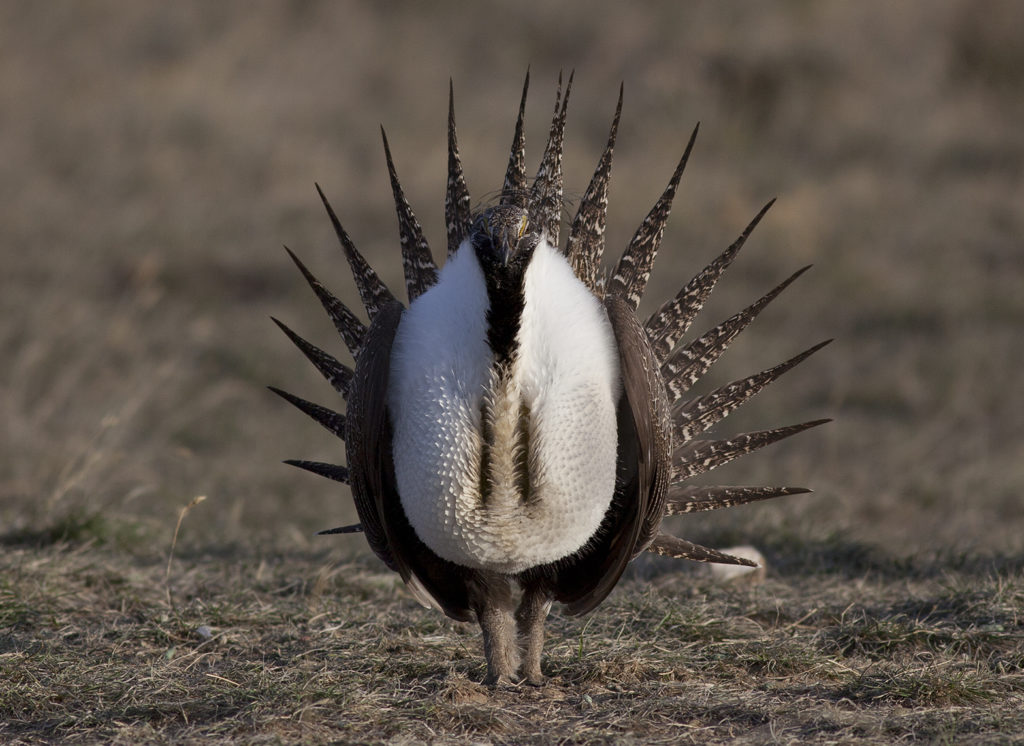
x: 533, y: 610
x: 500, y: 647
x: 492, y: 601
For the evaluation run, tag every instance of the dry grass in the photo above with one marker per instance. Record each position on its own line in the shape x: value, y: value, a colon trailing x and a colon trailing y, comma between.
x: 287, y: 647
x: 152, y: 159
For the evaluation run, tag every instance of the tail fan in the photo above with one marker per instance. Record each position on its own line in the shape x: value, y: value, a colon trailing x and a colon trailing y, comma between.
x: 662, y: 357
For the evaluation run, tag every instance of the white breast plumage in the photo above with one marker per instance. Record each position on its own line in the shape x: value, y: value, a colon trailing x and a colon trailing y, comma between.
x: 443, y: 386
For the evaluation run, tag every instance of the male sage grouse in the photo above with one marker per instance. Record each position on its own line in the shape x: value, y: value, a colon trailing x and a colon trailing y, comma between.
x: 516, y: 434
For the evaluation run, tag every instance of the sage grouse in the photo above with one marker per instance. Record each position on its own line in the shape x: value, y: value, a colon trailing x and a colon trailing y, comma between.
x: 516, y: 434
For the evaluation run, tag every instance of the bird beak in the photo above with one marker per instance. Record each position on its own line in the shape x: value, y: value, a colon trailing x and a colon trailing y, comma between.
x: 510, y: 236
x: 506, y: 250
x: 497, y: 234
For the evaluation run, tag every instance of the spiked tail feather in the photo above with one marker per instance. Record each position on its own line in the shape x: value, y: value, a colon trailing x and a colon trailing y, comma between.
x: 354, y: 528
x: 417, y: 261
x: 348, y: 325
x: 699, y: 456
x: 331, y: 471
x: 337, y: 374
x: 586, y: 236
x: 699, y: 499
x: 693, y: 417
x: 373, y: 292
x: 545, y: 203
x: 672, y: 546
x: 333, y: 421
x: 668, y: 324
x: 513, y: 191
x: 687, y: 365
x: 634, y: 267
x: 457, y: 215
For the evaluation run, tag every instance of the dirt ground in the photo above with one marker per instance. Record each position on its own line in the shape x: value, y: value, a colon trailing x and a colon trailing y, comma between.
x: 153, y: 159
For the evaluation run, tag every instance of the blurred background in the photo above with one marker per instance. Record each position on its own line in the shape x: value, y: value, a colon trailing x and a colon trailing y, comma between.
x: 155, y: 156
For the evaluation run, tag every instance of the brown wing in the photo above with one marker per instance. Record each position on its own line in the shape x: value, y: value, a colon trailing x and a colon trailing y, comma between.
x: 364, y: 419
x: 432, y: 580
x: 644, y: 471
x: 644, y: 389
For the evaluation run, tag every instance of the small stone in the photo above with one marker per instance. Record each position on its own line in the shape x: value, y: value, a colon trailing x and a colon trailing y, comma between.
x: 738, y: 574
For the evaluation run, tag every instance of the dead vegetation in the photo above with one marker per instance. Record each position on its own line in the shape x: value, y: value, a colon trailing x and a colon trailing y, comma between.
x: 153, y: 159
x: 290, y: 647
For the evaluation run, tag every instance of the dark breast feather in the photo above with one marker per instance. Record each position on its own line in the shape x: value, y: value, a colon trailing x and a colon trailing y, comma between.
x: 644, y: 473
x: 431, y: 579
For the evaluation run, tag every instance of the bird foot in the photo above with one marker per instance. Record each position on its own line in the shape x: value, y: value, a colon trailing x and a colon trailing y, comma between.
x: 535, y: 679
x: 499, y: 681
x: 504, y: 681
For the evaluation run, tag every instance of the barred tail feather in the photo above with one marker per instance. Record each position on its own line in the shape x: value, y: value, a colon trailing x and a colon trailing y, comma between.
x: 545, y: 202
x: 457, y: 216
x: 669, y: 323
x: 693, y: 417
x: 417, y: 261
x: 333, y: 421
x: 687, y: 365
x: 672, y: 546
x: 699, y: 499
x: 351, y: 329
x: 634, y: 267
x: 700, y: 456
x: 513, y: 191
x: 331, y: 471
x: 373, y: 292
x: 586, y: 236
x: 354, y: 528
x: 337, y: 374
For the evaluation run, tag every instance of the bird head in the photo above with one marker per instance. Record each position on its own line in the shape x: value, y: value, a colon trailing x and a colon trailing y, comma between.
x: 503, y: 240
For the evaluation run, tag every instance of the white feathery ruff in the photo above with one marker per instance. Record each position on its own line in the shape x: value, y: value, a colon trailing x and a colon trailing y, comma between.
x: 442, y: 385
